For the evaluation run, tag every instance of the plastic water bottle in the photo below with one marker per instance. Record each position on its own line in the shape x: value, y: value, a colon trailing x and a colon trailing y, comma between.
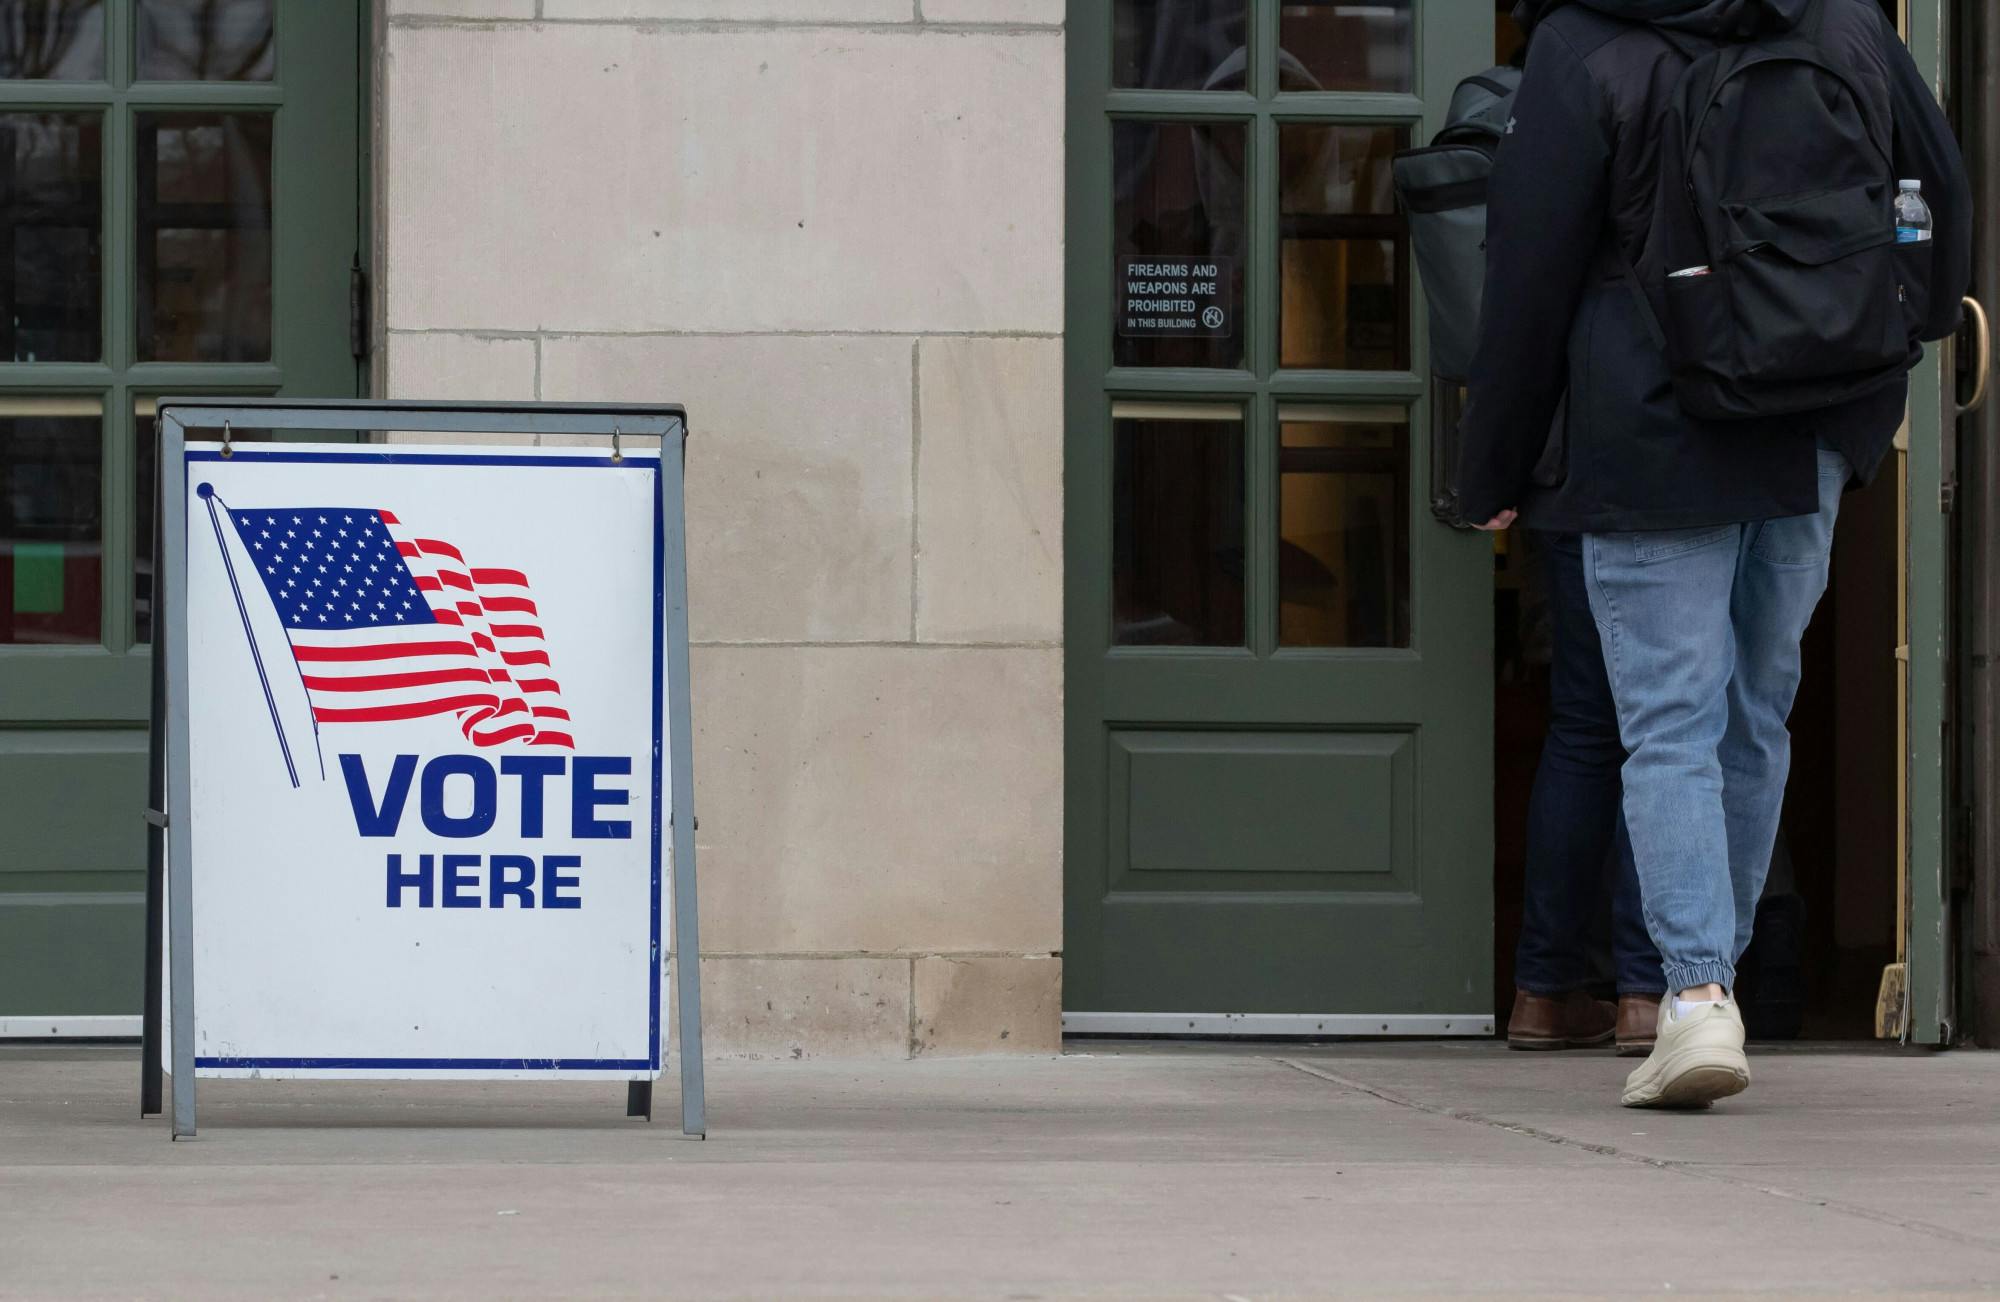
x: 1913, y: 215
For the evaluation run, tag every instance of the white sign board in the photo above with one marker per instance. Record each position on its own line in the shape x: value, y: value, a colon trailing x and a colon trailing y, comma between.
x: 427, y: 768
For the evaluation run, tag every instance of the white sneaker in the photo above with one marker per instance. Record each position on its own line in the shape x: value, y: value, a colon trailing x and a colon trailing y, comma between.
x: 1697, y: 1059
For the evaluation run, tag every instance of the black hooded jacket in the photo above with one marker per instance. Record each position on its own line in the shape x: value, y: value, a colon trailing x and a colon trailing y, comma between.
x: 1589, y: 437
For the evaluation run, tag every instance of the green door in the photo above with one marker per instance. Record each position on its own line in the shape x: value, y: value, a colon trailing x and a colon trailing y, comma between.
x: 180, y: 195
x: 1278, y: 681
x: 1923, y: 1011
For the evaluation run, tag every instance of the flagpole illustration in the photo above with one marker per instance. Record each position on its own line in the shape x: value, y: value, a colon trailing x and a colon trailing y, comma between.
x: 207, y: 494
x: 318, y: 751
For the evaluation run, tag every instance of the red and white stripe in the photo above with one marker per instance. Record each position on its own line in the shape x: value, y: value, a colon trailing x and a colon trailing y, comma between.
x: 485, y: 660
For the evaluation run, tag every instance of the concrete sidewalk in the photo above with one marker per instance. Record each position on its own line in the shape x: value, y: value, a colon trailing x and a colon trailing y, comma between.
x: 1117, y: 1170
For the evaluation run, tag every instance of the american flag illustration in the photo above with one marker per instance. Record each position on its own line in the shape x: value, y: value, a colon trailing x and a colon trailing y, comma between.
x: 386, y: 624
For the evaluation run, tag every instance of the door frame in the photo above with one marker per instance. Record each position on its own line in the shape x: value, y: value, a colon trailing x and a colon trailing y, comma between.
x: 1977, y: 42
x: 1928, y: 1009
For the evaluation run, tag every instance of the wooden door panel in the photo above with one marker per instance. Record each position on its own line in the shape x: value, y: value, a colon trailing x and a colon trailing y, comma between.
x: 1249, y: 810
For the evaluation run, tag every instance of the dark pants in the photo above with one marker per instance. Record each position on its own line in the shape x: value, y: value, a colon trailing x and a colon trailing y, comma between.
x: 1574, y: 819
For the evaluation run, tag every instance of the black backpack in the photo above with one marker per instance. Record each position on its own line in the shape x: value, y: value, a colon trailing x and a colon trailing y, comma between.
x: 1443, y: 191
x: 1773, y: 247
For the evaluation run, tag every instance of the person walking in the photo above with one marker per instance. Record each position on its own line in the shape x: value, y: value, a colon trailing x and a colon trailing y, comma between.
x: 1577, y: 845
x: 1699, y: 198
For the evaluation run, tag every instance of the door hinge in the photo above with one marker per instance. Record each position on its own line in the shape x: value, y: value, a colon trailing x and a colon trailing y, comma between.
x: 357, y: 311
x: 1947, y: 496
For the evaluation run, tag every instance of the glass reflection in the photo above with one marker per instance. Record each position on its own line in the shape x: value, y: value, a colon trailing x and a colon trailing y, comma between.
x: 57, y: 40
x: 206, y: 40
x: 1177, y: 526
x: 1344, y: 298
x: 1349, y: 46
x: 1178, y: 213
x: 1177, y: 44
x: 51, y: 209
x: 51, y: 520
x: 204, y: 238
x: 1344, y: 527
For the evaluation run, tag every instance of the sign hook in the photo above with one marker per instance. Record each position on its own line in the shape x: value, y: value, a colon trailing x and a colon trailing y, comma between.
x: 617, y: 448
x: 228, y: 449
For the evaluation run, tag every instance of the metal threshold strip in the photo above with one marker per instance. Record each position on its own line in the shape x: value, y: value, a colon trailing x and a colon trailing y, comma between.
x: 69, y: 1028
x: 1255, y: 1025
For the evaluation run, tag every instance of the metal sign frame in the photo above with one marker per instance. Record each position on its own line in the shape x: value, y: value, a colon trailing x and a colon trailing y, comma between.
x: 611, y: 422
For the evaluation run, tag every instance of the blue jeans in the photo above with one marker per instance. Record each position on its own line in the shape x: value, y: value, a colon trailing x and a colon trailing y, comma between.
x: 1701, y: 632
x: 1573, y: 818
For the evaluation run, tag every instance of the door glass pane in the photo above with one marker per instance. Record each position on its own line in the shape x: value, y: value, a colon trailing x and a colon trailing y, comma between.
x: 1344, y: 526
x: 61, y: 40
x: 1179, y: 44
x: 1178, y: 275
x: 1353, y: 45
x: 1344, y: 302
x: 1177, y: 525
x: 204, y: 237
x: 145, y: 409
x: 51, y: 209
x: 51, y: 519
x: 206, y: 40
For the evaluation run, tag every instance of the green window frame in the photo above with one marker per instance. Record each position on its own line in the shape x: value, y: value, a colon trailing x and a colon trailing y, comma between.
x: 318, y: 251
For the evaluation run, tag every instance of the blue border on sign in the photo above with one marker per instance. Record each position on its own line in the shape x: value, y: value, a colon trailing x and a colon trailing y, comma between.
x: 652, y: 1062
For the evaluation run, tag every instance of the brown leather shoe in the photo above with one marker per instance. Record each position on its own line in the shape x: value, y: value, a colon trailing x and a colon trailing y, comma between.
x: 1571, y: 1021
x: 1638, y: 1023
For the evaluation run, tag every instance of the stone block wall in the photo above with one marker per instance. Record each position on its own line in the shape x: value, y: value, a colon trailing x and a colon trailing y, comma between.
x: 833, y: 229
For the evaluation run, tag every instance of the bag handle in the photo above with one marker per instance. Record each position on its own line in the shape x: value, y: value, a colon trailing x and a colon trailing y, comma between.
x: 1490, y: 86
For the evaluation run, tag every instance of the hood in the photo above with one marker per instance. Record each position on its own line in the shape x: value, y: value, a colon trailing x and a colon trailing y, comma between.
x: 1714, y: 18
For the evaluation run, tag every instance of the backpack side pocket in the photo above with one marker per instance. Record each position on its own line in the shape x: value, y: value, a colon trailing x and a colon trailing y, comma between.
x: 1701, y: 341
x: 1443, y: 189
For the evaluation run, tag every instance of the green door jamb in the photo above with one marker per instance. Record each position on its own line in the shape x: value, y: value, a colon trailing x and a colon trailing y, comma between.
x: 1930, y: 987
